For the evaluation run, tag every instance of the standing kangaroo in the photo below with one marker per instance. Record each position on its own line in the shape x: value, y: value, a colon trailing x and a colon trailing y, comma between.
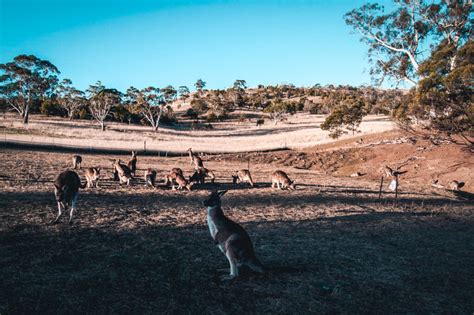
x: 279, y: 178
x: 132, y: 164
x: 66, y: 190
x: 122, y: 171
x: 242, y: 176
x: 195, y: 159
x: 150, y: 177
x: 230, y: 237
x: 92, y: 175
x: 76, y: 161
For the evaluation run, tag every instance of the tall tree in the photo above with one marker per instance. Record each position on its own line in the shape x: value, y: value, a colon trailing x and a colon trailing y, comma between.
x: 69, y: 98
x: 239, y: 92
x: 148, y: 102
x: 25, y: 80
x: 279, y: 109
x: 200, y: 85
x: 183, y: 93
x: 101, y: 102
x: 398, y: 39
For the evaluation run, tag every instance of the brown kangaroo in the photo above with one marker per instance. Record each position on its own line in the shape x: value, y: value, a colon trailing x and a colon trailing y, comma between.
x: 92, y: 175
x: 176, y: 178
x: 150, y: 177
x: 123, y: 172
x: 195, y: 159
x: 66, y: 191
x: 230, y: 237
x: 200, y: 174
x: 132, y: 164
x: 76, y: 161
x: 242, y: 176
x: 280, y: 178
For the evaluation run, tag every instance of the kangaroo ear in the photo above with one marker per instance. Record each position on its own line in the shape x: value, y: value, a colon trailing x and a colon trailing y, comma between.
x: 221, y: 193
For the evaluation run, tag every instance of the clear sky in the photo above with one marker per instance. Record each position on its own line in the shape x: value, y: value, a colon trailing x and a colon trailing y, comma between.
x: 152, y: 42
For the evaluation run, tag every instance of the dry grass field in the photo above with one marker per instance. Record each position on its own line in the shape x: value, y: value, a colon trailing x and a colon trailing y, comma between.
x: 299, y: 131
x: 331, y: 246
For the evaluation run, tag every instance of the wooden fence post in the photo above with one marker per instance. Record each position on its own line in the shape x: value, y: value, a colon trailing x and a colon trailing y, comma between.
x: 380, y: 188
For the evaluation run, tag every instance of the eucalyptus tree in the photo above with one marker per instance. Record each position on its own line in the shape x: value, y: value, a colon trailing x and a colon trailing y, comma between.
x: 25, y: 80
x: 200, y: 85
x: 400, y: 39
x: 238, y: 89
x: 183, y: 93
x: 148, y: 102
x: 101, y: 102
x: 69, y: 98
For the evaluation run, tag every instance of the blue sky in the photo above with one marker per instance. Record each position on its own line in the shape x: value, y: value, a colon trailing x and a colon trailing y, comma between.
x: 144, y: 42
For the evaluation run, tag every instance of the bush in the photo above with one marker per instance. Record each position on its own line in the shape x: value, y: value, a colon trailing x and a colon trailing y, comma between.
x: 50, y: 108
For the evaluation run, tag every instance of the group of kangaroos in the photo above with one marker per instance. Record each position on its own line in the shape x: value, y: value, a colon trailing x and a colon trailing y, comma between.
x: 230, y: 237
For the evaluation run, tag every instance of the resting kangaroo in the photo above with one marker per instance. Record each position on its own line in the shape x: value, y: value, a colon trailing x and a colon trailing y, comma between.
x: 195, y: 159
x: 76, y: 161
x: 280, y: 178
x: 123, y: 172
x: 242, y: 176
x: 150, y: 177
x: 132, y: 164
x: 230, y: 237
x: 456, y: 185
x: 92, y: 175
x: 200, y: 174
x: 66, y: 190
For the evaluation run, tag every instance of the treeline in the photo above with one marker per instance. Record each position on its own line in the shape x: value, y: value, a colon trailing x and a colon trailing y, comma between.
x: 31, y: 85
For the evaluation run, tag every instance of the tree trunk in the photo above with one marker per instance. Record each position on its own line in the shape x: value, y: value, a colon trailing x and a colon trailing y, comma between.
x: 102, y: 126
x: 26, y: 117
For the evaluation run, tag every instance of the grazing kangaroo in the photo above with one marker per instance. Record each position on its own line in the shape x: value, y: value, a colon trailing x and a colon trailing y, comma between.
x: 76, y: 161
x: 132, y: 164
x: 455, y: 185
x: 230, y: 237
x: 260, y: 122
x: 242, y: 176
x: 123, y: 172
x: 182, y: 182
x: 150, y: 177
x: 177, y: 170
x: 280, y: 178
x: 171, y: 176
x: 92, y: 175
x: 195, y: 159
x: 66, y: 190
x: 200, y: 174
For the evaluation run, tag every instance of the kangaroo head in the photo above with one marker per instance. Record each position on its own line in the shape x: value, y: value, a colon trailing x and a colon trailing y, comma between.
x: 292, y: 185
x: 214, y: 199
x: 97, y: 172
x: 134, y: 154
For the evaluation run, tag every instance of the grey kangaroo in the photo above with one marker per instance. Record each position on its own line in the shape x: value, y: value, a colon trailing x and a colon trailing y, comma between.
x: 230, y: 237
x: 66, y: 190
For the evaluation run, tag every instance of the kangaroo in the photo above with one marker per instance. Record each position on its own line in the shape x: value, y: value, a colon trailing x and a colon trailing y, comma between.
x: 200, y: 174
x: 280, y: 178
x: 150, y: 177
x: 66, y: 190
x: 455, y: 185
x: 182, y: 182
x: 242, y: 176
x: 122, y: 171
x: 230, y: 237
x: 132, y: 164
x: 76, y: 161
x: 195, y: 159
x: 92, y: 175
x: 177, y: 170
x: 260, y: 122
x: 171, y: 176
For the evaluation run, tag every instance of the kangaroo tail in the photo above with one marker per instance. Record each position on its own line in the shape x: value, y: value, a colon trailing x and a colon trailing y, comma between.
x: 255, y: 265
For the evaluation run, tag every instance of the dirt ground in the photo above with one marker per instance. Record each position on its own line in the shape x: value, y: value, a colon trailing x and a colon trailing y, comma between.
x: 331, y: 246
